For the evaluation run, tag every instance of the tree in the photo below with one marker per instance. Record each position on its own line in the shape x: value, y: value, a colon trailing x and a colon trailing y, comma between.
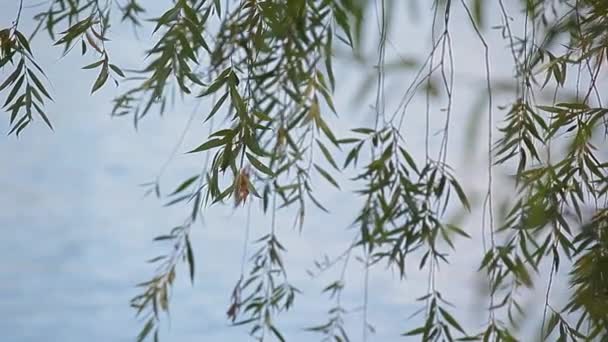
x: 268, y: 68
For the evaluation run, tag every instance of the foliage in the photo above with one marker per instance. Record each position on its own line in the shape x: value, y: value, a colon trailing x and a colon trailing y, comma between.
x: 268, y: 66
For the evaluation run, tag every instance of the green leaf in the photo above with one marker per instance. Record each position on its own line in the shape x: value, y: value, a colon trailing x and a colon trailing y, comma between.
x: 23, y: 41
x: 461, y: 195
x: 14, y: 75
x: 186, y: 48
x: 458, y: 230
x: 177, y: 200
x: 262, y: 116
x: 350, y: 157
x: 573, y: 105
x: 218, y: 7
x: 164, y: 237
x: 277, y: 333
x: 43, y: 116
x: 190, y: 257
x: 451, y: 320
x: 209, y: 145
x: 258, y: 165
x: 551, y: 109
x: 189, y: 12
x: 239, y: 104
x: 551, y: 325
x: 217, y: 106
x: 325, y: 128
x: 365, y: 131
x: 478, y: 12
x: 228, y: 133
x: 409, y: 159
x: 328, y: 59
x: 413, y: 332
x: 93, y: 65
x: 117, y: 70
x: 146, y: 330
x: 101, y: 79
x: 21, y: 124
x: 316, y: 202
x: 342, y: 20
x: 215, y: 86
x: 167, y: 17
x: 184, y: 185
x: 15, y: 89
x: 486, y: 259
x: 327, y: 176
x: 38, y: 84
x: 327, y: 155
